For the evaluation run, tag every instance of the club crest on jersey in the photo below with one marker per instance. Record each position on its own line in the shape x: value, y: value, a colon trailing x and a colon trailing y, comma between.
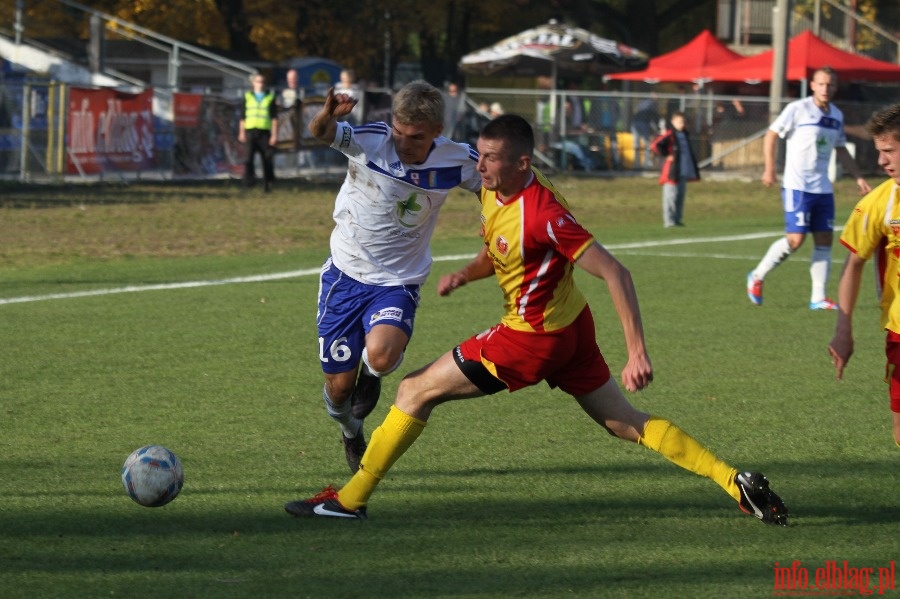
x: 895, y: 227
x: 502, y: 245
x: 387, y: 314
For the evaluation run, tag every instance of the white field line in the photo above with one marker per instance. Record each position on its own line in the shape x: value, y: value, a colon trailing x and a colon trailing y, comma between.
x: 315, y: 271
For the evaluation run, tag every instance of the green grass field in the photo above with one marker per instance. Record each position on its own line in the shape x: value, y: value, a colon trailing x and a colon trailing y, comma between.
x: 507, y: 496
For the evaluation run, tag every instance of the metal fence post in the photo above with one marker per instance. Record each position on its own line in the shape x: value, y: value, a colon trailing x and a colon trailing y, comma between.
x: 26, y: 119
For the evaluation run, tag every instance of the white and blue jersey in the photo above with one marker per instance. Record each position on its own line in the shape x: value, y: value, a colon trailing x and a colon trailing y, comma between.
x: 386, y: 211
x: 811, y: 136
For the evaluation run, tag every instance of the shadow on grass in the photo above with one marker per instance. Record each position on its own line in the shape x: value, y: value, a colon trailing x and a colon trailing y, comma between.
x: 643, y: 530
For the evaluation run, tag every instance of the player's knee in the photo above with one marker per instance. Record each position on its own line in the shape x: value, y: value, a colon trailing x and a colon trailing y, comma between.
x: 384, y: 362
x: 795, y: 241
x: 378, y: 361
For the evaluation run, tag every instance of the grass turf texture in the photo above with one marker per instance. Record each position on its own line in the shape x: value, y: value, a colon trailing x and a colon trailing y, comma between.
x: 508, y: 496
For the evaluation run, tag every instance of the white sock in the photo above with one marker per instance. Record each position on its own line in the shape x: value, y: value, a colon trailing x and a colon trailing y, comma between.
x: 350, y: 426
x: 819, y: 269
x: 778, y: 253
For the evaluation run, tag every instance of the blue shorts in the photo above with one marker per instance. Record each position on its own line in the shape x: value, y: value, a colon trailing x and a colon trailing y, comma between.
x: 807, y: 212
x: 349, y: 309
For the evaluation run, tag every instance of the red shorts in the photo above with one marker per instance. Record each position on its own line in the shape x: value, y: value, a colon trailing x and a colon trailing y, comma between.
x: 892, y: 372
x: 568, y: 358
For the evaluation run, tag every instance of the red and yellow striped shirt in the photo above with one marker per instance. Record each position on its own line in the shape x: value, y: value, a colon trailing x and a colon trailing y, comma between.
x: 533, y: 241
x: 873, y: 229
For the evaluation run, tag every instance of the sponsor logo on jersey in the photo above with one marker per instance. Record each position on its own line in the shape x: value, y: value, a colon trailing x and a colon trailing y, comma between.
x: 387, y: 314
x: 345, y: 137
x: 413, y: 210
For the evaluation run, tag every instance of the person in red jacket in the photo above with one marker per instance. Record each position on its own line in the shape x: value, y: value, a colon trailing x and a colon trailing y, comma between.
x: 679, y: 166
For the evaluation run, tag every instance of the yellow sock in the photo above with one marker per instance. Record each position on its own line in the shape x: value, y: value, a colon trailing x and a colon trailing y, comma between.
x: 389, y: 441
x: 678, y: 447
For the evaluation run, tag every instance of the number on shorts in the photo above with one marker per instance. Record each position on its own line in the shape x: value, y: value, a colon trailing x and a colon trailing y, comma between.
x: 339, y: 350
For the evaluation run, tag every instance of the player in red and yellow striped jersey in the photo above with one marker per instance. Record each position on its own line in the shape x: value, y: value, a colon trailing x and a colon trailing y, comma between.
x: 873, y: 229
x: 531, y: 242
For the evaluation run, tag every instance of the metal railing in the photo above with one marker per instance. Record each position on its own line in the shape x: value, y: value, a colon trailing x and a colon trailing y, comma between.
x: 599, y: 139
x: 177, y: 51
x: 843, y: 27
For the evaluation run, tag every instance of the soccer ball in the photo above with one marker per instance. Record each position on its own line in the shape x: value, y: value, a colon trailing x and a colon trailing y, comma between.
x: 152, y: 476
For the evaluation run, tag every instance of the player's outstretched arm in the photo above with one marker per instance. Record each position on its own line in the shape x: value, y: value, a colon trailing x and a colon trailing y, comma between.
x: 841, y: 346
x: 479, y: 268
x: 596, y: 260
x: 323, y: 125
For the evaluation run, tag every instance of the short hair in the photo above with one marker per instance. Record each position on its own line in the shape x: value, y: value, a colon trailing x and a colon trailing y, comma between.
x: 676, y: 113
x: 885, y: 121
x: 514, y: 131
x: 827, y: 70
x: 418, y: 102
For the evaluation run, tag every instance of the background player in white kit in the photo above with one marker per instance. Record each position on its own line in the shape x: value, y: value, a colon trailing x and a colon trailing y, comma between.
x: 813, y: 127
x: 398, y: 177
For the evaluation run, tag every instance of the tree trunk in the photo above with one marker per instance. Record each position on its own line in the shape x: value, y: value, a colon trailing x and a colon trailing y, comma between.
x: 235, y: 18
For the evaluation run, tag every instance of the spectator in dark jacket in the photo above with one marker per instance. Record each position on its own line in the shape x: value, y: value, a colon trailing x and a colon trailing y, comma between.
x: 679, y: 166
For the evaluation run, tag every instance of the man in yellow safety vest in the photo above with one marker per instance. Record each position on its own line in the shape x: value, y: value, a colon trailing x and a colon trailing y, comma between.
x: 258, y: 131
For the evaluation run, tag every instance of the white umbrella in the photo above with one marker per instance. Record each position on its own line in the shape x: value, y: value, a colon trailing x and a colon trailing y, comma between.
x: 553, y: 49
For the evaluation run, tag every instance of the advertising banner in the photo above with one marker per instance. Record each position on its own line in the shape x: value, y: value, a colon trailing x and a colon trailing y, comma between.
x: 110, y: 131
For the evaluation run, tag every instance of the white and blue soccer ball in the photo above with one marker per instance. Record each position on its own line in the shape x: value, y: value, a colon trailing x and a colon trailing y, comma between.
x: 152, y: 476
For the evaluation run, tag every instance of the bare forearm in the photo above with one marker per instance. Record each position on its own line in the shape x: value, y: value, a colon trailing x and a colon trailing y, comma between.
x: 843, y: 155
x: 323, y: 126
x: 625, y: 301
x: 479, y: 268
x: 848, y: 292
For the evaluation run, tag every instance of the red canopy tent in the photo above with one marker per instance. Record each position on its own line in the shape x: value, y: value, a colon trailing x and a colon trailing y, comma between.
x: 806, y: 53
x: 688, y: 64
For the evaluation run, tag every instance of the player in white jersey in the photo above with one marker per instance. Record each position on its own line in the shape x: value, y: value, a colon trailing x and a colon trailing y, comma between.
x: 812, y: 128
x: 398, y: 177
